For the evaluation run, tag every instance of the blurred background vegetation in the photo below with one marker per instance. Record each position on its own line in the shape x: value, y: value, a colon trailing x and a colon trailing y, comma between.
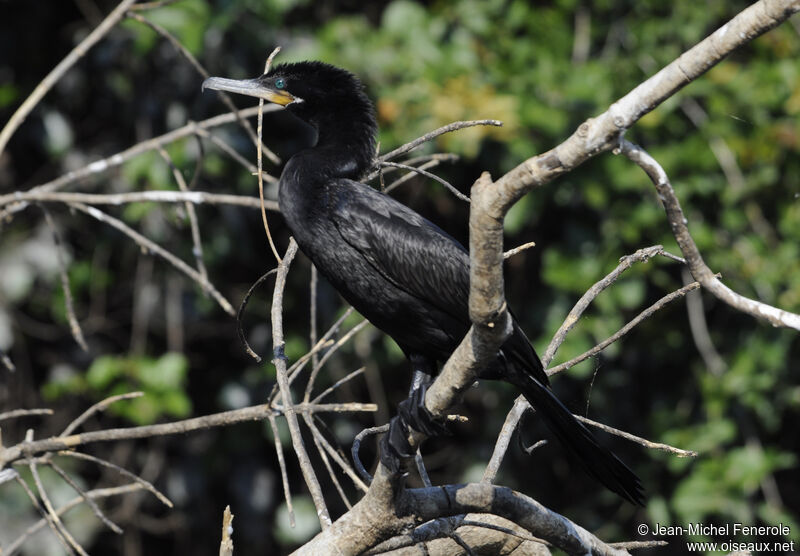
x: 730, y: 142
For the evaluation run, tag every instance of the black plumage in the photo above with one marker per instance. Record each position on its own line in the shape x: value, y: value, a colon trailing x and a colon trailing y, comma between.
x: 402, y: 272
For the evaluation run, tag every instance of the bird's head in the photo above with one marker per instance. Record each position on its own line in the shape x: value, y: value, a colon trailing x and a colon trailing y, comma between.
x: 329, y: 98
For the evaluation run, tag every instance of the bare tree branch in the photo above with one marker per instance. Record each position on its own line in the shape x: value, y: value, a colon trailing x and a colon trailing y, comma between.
x: 226, y: 545
x: 253, y: 413
x: 642, y: 255
x: 69, y: 304
x: 154, y: 248
x: 399, y: 151
x: 670, y: 297
x: 58, y: 72
x: 157, y: 196
x: 290, y: 409
x: 698, y: 267
x: 226, y: 98
x: 92, y: 494
x: 118, y: 159
x: 368, y: 522
x: 99, y: 406
x: 601, y: 134
x: 639, y: 440
x: 422, y: 172
x: 16, y: 413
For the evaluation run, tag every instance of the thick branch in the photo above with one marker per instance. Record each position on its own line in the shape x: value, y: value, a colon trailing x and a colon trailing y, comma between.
x: 368, y: 523
x: 602, y: 133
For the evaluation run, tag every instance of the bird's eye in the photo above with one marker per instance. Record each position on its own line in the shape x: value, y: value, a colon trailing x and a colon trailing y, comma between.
x: 280, y: 83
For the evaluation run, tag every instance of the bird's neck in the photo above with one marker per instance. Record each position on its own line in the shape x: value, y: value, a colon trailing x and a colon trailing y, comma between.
x: 345, y: 146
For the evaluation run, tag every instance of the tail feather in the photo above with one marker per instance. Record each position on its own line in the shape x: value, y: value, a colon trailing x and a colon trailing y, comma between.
x: 598, y: 461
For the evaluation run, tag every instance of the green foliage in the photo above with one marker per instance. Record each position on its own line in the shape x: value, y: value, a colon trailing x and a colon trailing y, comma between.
x: 513, y: 61
x: 736, y: 171
x: 162, y: 380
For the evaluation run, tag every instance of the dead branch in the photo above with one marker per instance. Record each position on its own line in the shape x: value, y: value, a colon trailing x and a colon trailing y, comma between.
x: 226, y: 545
x: 638, y: 439
x: 16, y: 413
x: 118, y: 159
x: 410, y: 146
x: 152, y: 247
x: 30, y: 448
x: 418, y: 170
x: 279, y: 360
x: 226, y: 98
x: 77, y: 501
x: 157, y: 196
x: 58, y: 72
x: 670, y: 297
x: 368, y: 522
x: 680, y: 229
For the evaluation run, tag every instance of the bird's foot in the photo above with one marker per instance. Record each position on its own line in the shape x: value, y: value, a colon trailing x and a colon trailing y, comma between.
x: 411, y: 414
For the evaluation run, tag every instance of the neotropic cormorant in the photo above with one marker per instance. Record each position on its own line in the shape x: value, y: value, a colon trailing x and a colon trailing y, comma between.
x: 403, y: 273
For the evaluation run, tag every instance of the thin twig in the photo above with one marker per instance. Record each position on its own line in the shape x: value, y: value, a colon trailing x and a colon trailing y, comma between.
x: 641, y: 255
x: 15, y: 413
x: 638, y: 439
x: 328, y: 354
x: 156, y: 196
x: 287, y: 493
x: 423, y: 161
x: 122, y: 471
x: 205, y: 75
x: 99, y: 166
x: 92, y: 494
x: 56, y: 520
x: 357, y: 482
x: 322, y: 343
x: 325, y: 460
x: 197, y: 249
x: 418, y: 170
x: 58, y: 72
x: 82, y: 493
x: 153, y: 247
x: 69, y: 304
x: 699, y: 327
x: 225, y: 418
x: 516, y: 250
x: 433, y: 135
x: 408, y: 176
x: 283, y: 383
x: 99, y: 406
x: 46, y: 517
x: 625, y: 329
x: 231, y: 152
x: 240, y: 312
x: 335, y: 385
x: 258, y: 160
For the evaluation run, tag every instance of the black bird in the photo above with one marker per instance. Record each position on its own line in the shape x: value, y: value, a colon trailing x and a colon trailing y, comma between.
x: 402, y: 272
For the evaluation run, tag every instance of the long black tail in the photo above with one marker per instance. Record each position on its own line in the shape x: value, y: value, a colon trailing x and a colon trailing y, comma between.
x: 597, y: 460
